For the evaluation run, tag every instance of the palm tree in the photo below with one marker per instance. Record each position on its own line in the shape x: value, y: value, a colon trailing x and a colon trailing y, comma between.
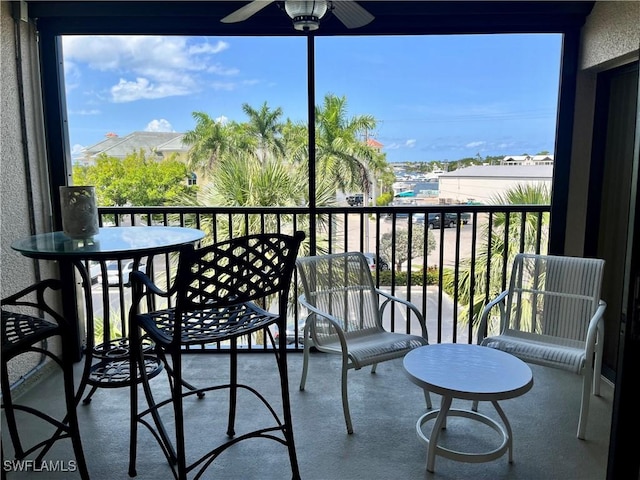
x: 242, y: 180
x: 493, y: 253
x: 209, y: 140
x: 341, y: 155
x: 265, y: 129
x: 524, y: 194
x: 264, y: 162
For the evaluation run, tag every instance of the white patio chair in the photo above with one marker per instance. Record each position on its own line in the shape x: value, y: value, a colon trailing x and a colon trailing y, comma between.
x: 345, y: 312
x: 552, y: 315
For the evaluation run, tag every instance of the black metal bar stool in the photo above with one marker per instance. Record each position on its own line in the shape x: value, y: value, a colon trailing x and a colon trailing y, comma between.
x: 28, y: 321
x: 222, y: 293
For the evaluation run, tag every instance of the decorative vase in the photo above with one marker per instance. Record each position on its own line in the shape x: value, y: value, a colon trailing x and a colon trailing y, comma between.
x: 79, y: 211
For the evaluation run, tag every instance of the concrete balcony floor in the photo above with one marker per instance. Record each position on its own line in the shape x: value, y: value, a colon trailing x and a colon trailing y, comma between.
x: 384, y: 408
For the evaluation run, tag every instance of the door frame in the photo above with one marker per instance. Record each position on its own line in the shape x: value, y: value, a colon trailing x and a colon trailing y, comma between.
x: 624, y: 461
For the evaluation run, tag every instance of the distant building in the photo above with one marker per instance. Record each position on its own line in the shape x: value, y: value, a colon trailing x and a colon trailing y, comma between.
x: 158, y: 144
x: 527, y: 160
x: 372, y: 142
x: 482, y: 183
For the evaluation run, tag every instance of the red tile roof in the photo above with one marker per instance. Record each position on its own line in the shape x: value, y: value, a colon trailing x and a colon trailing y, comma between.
x: 372, y: 142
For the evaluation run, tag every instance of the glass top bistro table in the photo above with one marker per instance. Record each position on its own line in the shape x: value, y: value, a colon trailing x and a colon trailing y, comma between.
x: 107, y: 363
x: 467, y: 372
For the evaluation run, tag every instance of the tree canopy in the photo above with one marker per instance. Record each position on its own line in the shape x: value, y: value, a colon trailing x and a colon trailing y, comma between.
x: 399, y: 244
x: 343, y: 160
x: 135, y: 180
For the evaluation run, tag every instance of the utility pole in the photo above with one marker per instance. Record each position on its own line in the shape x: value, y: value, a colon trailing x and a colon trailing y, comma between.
x: 365, y: 197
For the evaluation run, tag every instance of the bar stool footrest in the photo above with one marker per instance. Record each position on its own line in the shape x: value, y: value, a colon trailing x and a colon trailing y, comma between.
x: 115, y: 373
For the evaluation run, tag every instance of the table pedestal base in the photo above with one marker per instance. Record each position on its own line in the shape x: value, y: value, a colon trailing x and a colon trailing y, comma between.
x: 441, y: 415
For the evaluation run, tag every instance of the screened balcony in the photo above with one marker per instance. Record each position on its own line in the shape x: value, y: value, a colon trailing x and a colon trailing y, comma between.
x: 595, y: 51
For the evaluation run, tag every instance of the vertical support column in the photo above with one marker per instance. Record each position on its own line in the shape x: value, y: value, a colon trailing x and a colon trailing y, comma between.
x: 58, y: 160
x: 564, y: 141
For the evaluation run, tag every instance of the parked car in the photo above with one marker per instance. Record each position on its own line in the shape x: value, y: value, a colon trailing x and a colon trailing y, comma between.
x: 376, y: 263
x: 434, y: 220
x: 113, y: 277
x: 402, y: 202
x: 291, y: 334
x: 355, y: 200
x: 94, y: 271
x: 418, y: 218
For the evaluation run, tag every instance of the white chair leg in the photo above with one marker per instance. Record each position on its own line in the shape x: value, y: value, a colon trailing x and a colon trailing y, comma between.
x: 597, y: 370
x: 584, y: 405
x: 597, y: 375
x: 345, y: 399
x: 305, y: 366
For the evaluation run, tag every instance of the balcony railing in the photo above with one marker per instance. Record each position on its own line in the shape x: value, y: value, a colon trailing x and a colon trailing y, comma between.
x: 467, y: 266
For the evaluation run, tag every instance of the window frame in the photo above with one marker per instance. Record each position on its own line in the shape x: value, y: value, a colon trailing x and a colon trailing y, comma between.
x: 54, y: 19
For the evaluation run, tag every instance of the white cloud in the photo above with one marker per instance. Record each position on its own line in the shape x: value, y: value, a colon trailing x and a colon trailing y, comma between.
x: 85, y: 112
x: 221, y: 70
x: 77, y: 150
x: 226, y: 86
x: 160, y: 125
x: 72, y: 76
x: 222, y: 119
x: 208, y: 48
x: 142, y: 88
x: 409, y: 143
x: 148, y: 67
x: 475, y: 144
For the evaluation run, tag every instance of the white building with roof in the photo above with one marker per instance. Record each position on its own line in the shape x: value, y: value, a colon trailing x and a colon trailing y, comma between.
x: 482, y: 183
x: 158, y: 144
x: 527, y: 160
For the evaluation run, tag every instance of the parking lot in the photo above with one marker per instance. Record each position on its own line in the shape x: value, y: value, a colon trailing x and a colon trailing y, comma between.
x: 447, y: 237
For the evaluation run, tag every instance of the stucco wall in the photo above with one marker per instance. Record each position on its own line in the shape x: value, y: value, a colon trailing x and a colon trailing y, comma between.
x: 17, y: 205
x: 611, y: 35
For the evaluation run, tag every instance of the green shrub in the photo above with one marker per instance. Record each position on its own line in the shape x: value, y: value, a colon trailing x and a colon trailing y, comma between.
x: 384, y: 199
x: 416, y: 277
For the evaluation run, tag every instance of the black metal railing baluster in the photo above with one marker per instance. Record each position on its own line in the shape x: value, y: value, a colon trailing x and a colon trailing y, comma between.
x: 348, y: 228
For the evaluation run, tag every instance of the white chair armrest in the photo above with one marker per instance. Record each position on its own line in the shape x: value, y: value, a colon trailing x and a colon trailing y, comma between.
x: 391, y: 298
x: 311, y: 319
x: 499, y: 300
x: 596, y: 326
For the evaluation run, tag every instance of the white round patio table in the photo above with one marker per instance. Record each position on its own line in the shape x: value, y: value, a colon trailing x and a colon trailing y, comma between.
x: 467, y: 372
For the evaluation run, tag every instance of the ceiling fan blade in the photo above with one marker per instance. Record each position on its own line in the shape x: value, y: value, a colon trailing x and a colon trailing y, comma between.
x: 245, y: 12
x: 351, y: 14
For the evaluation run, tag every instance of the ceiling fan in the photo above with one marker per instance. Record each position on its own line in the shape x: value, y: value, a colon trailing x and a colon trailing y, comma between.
x: 306, y: 14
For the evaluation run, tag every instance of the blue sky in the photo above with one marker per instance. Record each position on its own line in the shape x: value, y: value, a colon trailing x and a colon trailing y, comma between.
x: 434, y: 97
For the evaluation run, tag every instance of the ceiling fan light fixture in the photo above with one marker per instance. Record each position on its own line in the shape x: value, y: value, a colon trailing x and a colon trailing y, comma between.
x: 306, y: 14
